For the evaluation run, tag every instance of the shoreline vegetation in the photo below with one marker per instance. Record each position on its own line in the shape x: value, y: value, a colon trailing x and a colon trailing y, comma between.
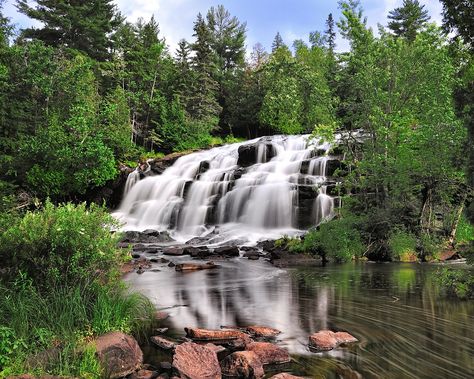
x: 74, y: 107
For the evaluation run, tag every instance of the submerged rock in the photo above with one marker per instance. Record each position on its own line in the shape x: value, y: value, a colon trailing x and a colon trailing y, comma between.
x: 119, y: 354
x: 195, y: 361
x: 285, y: 375
x: 243, y: 364
x: 262, y: 331
x: 174, y: 251
x: 214, y: 335
x: 269, y: 353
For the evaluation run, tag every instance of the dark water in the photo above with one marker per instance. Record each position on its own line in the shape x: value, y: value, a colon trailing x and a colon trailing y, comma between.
x: 406, y: 328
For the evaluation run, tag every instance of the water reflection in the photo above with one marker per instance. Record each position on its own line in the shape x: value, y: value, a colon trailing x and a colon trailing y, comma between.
x: 407, y: 330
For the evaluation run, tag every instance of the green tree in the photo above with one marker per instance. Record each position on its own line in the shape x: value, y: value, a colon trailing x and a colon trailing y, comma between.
x: 408, y: 20
x: 82, y: 25
x: 277, y: 42
x: 205, y: 106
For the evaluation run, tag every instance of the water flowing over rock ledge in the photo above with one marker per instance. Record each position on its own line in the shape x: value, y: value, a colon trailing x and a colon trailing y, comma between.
x: 264, y: 188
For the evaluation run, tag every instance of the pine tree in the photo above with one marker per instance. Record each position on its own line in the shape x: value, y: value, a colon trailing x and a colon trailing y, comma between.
x: 184, y: 81
x: 330, y: 33
x: 204, y: 100
x: 277, y: 42
x: 85, y: 25
x: 408, y: 19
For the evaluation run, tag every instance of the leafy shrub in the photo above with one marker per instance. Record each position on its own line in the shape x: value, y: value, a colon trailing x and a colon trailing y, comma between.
x: 464, y: 231
x: 337, y: 240
x: 402, y: 246
x: 64, y: 244
x: 457, y: 282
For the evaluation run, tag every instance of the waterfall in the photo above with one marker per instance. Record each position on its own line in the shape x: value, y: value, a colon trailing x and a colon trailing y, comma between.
x: 245, y: 191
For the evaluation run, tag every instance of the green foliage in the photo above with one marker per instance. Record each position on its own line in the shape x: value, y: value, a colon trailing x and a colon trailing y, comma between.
x: 64, y: 244
x: 407, y: 20
x: 402, y: 246
x: 464, y: 231
x: 457, y: 282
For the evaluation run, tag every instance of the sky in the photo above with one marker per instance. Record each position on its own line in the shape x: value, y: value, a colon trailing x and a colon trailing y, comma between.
x: 293, y: 19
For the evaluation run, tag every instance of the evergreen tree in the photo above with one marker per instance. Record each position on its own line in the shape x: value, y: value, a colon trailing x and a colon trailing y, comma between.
x: 407, y: 20
x: 458, y: 15
x: 330, y: 34
x: 85, y: 25
x: 204, y: 99
x: 277, y: 42
x: 185, y: 79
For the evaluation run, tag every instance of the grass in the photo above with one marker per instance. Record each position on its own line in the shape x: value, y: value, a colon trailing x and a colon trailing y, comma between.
x: 64, y: 320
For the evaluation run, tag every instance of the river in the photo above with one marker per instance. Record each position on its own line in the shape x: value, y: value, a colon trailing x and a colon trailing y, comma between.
x: 406, y: 328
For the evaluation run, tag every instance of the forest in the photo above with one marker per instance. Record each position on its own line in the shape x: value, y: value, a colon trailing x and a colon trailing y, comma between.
x: 88, y: 92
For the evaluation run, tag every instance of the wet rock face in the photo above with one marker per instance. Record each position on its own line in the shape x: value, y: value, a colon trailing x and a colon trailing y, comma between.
x: 147, y: 236
x: 248, y: 154
x: 243, y: 364
x: 195, y: 361
x: 119, y: 354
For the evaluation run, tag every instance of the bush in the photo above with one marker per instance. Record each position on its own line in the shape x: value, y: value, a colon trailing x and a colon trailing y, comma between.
x: 457, y: 282
x: 338, y: 240
x: 402, y: 246
x: 464, y: 231
x: 64, y: 244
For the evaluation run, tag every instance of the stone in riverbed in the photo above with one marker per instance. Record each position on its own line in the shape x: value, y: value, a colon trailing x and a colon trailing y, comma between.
x: 326, y: 340
x: 195, y: 266
x: 227, y: 251
x: 214, y: 335
x: 195, y: 361
x: 242, y: 364
x: 262, y: 331
x: 285, y: 375
x: 163, y: 342
x: 269, y: 353
x: 144, y: 374
x: 119, y: 354
x: 173, y: 251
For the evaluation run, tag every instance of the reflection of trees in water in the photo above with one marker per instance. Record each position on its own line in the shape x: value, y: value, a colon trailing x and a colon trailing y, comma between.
x: 406, y: 328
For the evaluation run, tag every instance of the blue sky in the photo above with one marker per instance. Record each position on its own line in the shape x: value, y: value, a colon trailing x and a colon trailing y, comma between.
x: 293, y: 19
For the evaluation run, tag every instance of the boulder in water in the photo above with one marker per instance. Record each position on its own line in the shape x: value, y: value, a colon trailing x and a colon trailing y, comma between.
x: 227, y: 251
x: 214, y: 335
x: 163, y: 342
x: 173, y: 251
x: 325, y: 340
x: 285, y: 375
x: 243, y: 364
x: 195, y: 361
x: 262, y: 331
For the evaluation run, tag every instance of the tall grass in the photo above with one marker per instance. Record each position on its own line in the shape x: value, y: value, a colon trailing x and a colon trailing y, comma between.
x: 64, y: 319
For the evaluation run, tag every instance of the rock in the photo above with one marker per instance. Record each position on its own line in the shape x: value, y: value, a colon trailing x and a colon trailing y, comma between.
x: 163, y: 342
x: 253, y: 256
x: 216, y: 348
x: 161, y: 330
x: 344, y: 337
x: 325, y: 340
x: 214, y: 335
x: 198, y: 252
x: 136, y: 256
x: 227, y: 251
x: 262, y: 331
x: 195, y: 361
x: 173, y: 251
x: 144, y: 374
x: 166, y: 366
x: 148, y: 236
x: 171, y: 264
x: 195, y: 266
x: 269, y: 353
x: 242, y: 364
x: 285, y: 375
x: 119, y: 354
x: 266, y: 245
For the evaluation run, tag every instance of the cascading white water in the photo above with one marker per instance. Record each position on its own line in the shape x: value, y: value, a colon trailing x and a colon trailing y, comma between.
x: 132, y: 179
x: 210, y: 191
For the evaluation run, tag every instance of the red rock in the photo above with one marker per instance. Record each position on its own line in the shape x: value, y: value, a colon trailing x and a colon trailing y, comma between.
x: 243, y: 364
x: 323, y: 340
x: 160, y: 316
x: 269, y: 353
x: 214, y: 335
x: 195, y: 361
x: 262, y: 331
x: 119, y: 354
x: 195, y: 266
x: 163, y: 342
x: 216, y: 348
x: 284, y: 375
x: 344, y: 337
